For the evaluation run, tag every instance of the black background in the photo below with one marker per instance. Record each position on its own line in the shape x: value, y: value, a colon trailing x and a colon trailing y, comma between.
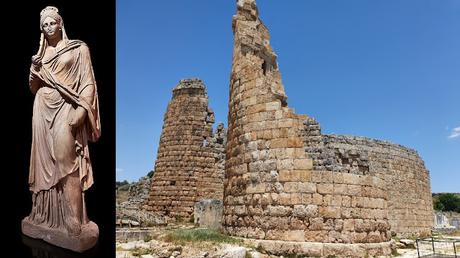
x: 93, y: 23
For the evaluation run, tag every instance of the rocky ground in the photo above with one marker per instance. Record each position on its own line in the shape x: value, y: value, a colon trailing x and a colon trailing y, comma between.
x: 140, y: 234
x: 161, y: 242
x: 166, y: 242
x: 442, y: 246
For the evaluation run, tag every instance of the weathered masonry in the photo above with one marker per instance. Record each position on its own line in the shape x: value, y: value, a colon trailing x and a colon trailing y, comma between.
x: 189, y: 165
x: 298, y: 190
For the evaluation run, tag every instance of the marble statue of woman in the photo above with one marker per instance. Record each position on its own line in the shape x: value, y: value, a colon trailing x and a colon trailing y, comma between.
x: 65, y: 118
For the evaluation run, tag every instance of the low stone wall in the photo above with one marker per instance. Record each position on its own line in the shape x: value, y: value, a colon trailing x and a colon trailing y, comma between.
x: 125, y: 235
x: 315, y: 249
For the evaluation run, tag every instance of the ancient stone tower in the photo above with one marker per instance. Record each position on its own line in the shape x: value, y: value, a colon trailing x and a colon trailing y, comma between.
x: 302, y: 192
x: 189, y: 162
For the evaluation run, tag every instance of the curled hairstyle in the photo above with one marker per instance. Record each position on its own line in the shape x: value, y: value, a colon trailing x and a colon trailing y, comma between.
x: 52, y: 12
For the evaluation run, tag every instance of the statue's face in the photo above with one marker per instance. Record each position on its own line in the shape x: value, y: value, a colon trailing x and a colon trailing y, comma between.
x: 51, y: 28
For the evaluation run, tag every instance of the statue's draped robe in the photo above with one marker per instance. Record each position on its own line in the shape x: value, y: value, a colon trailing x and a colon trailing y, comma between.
x: 65, y: 78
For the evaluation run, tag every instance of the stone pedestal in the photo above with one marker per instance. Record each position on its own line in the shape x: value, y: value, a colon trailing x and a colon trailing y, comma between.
x: 208, y: 213
x: 55, y: 236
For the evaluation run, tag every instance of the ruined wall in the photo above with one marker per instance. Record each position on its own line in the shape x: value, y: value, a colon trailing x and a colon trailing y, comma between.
x: 287, y: 181
x: 284, y: 180
x: 407, y: 180
x: 185, y: 169
x: 271, y: 189
x: 410, y: 209
x: 217, y: 143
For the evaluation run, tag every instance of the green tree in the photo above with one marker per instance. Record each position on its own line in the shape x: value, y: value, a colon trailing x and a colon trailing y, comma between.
x: 447, y: 202
x: 118, y: 184
x: 437, y: 205
x: 150, y: 174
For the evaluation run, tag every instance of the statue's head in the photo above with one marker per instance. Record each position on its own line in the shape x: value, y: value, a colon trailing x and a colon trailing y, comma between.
x: 52, y: 12
x: 51, y: 23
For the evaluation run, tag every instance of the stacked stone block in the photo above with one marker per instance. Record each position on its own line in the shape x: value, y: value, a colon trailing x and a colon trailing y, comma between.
x: 406, y: 178
x: 286, y: 185
x: 271, y: 189
x: 186, y: 169
x: 217, y: 143
x: 319, y: 206
x: 286, y: 181
x: 263, y: 135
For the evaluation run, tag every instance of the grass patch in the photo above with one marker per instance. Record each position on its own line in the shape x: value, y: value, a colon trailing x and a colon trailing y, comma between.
x: 148, y: 237
x: 122, y: 196
x: 394, y: 252
x: 183, y: 236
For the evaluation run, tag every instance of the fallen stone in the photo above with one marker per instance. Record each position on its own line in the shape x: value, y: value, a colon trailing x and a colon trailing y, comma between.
x: 408, y: 243
x: 233, y: 252
x: 147, y: 256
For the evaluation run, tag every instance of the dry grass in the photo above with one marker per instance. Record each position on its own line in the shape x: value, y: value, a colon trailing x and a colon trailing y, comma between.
x: 199, y: 235
x: 122, y: 196
x: 455, y: 233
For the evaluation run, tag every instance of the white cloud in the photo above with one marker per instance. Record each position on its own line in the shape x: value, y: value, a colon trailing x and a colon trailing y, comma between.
x: 455, y: 133
x: 119, y: 170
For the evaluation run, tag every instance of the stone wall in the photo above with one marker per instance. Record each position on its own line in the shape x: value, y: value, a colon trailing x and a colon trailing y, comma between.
x: 271, y: 189
x: 130, y: 212
x: 213, y: 187
x: 407, y: 180
x: 186, y: 170
x: 287, y: 181
x: 318, y: 206
x: 261, y: 130
x: 280, y: 178
x: 139, y: 192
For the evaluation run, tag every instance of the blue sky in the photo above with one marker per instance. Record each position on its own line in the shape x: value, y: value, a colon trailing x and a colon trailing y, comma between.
x: 388, y: 70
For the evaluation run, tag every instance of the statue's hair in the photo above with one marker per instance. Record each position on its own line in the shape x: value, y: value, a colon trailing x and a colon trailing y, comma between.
x: 50, y: 11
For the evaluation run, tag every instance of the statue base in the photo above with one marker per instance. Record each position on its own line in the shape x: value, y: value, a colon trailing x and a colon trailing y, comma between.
x: 58, y: 237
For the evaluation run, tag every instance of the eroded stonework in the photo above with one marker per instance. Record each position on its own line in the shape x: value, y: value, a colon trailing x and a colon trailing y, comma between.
x: 287, y: 181
x: 287, y: 186
x: 189, y: 162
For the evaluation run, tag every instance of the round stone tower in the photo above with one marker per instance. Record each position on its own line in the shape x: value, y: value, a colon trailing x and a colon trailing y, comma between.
x: 185, y: 168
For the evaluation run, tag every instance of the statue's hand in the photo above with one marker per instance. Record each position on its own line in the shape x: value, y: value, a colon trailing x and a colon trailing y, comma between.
x: 36, y: 61
x: 78, y: 117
